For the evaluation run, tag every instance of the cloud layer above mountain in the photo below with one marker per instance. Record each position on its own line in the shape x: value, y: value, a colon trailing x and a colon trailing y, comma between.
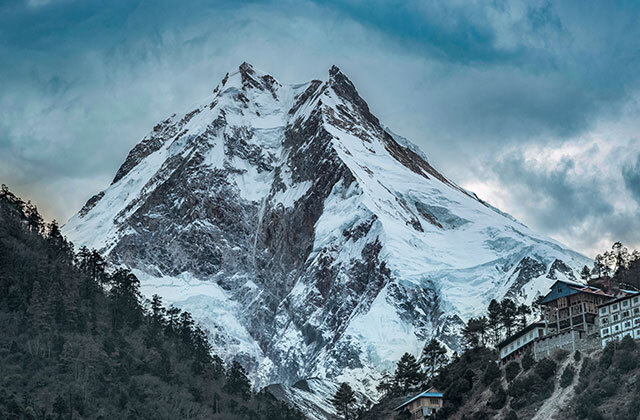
x: 533, y: 105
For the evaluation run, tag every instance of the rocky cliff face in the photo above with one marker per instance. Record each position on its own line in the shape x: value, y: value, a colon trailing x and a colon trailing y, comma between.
x: 308, y: 238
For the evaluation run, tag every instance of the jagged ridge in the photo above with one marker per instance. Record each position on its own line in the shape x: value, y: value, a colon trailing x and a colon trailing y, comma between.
x: 306, y: 237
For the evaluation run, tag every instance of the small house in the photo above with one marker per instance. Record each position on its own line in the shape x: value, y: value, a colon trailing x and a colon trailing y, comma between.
x: 424, y: 404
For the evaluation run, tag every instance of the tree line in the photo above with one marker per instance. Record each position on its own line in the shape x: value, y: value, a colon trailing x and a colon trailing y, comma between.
x: 501, y: 320
x: 79, y: 341
x: 410, y: 374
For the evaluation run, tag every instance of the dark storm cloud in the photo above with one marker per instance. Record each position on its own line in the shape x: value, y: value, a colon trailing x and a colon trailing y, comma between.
x: 573, y: 199
x: 552, y: 196
x: 82, y: 81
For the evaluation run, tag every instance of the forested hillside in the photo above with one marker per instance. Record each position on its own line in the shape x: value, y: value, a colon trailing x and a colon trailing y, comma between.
x: 597, y: 384
x: 77, y: 341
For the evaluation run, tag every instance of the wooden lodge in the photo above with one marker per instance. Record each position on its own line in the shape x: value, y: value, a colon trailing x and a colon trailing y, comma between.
x: 570, y: 306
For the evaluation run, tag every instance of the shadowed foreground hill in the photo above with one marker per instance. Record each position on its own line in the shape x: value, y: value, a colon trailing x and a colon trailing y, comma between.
x: 77, y: 342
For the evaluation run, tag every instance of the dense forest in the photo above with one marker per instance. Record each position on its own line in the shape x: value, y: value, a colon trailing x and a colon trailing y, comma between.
x: 78, y: 341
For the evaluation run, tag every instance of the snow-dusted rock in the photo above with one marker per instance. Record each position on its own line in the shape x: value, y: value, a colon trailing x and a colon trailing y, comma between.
x: 308, y: 238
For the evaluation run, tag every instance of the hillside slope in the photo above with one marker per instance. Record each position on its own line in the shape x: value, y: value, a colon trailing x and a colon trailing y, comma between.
x: 70, y: 349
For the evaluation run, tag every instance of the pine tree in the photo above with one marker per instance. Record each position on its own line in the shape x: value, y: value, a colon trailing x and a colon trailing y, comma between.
x: 523, y: 311
x: 34, y: 220
x: 470, y: 334
x: 237, y: 381
x: 343, y: 400
x: 585, y: 274
x: 598, y: 266
x: 495, y: 320
x: 173, y: 314
x: 186, y: 327
x: 38, y: 312
x: 202, y: 350
x: 407, y: 372
x: 620, y: 256
x: 125, y: 298
x: 482, y: 325
x: 434, y: 356
x: 508, y: 312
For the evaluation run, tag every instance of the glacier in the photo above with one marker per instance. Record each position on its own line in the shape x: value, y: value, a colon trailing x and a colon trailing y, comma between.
x: 307, y: 238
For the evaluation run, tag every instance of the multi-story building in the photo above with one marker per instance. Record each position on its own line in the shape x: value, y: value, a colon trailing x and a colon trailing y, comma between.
x: 570, y: 306
x: 520, y: 343
x: 620, y: 317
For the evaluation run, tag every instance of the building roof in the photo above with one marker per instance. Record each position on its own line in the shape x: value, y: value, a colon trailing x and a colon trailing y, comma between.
x: 430, y: 393
x: 520, y: 333
x: 629, y: 293
x: 562, y: 288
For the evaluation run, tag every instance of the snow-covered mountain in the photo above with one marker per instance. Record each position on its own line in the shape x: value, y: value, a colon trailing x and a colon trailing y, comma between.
x: 308, y: 238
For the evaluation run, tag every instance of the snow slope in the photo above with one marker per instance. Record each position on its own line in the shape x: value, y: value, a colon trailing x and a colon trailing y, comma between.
x: 307, y: 237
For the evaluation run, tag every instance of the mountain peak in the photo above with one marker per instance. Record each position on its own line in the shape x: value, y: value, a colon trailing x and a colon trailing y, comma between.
x: 246, y: 68
x: 295, y: 228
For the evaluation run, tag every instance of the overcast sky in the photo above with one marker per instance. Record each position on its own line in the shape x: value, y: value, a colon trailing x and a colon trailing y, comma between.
x: 532, y: 105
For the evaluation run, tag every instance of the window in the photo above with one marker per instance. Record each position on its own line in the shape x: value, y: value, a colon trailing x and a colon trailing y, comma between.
x: 625, y: 303
x: 605, y: 331
x: 615, y: 307
x: 604, y: 320
x: 603, y: 310
x: 635, y: 299
x: 625, y: 314
x: 636, y: 311
x: 627, y: 324
x: 615, y: 317
x: 616, y: 328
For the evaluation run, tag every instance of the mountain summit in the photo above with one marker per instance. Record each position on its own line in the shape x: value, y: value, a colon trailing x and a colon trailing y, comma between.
x: 309, y: 239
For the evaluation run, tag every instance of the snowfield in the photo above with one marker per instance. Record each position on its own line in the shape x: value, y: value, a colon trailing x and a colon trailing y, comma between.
x: 309, y: 239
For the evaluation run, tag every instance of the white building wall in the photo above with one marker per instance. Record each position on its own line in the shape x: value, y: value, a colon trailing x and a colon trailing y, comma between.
x: 519, y: 343
x: 620, y: 319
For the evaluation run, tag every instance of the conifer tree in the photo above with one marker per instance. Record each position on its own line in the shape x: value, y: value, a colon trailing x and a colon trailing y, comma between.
x: 407, y: 372
x: 434, y: 356
x: 343, y: 400
x: 34, y: 220
x: 125, y: 298
x: 173, y: 314
x: 470, y: 334
x: 585, y: 274
x: 482, y: 325
x: 201, y: 350
x: 38, y: 311
x: 522, y: 312
x: 494, y: 314
x: 598, y: 267
x: 157, y: 311
x: 508, y: 312
x: 620, y: 256
x: 237, y: 381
